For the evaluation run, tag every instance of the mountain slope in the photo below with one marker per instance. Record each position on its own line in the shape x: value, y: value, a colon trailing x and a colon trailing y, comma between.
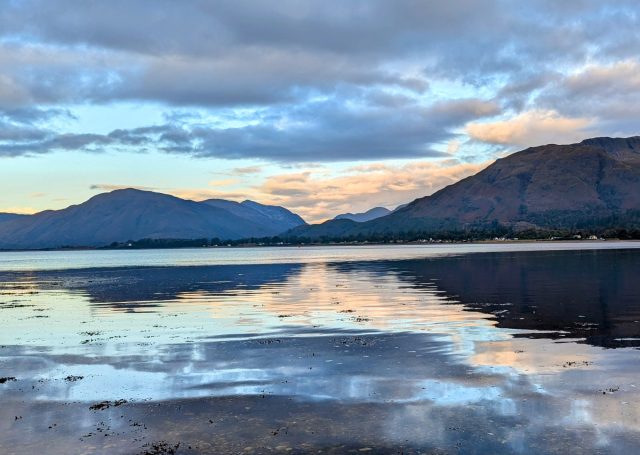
x: 278, y: 219
x: 10, y: 217
x: 552, y: 186
x: 369, y: 215
x: 128, y: 215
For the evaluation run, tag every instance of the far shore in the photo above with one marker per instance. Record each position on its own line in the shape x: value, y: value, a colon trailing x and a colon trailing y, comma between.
x: 312, y: 245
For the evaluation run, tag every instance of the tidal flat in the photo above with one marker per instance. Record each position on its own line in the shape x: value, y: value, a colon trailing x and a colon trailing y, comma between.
x: 443, y: 349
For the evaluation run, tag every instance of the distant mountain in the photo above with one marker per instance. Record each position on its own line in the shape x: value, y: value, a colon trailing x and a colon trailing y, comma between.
x: 369, y: 215
x: 594, y: 183
x: 401, y: 206
x: 131, y: 214
x: 277, y: 218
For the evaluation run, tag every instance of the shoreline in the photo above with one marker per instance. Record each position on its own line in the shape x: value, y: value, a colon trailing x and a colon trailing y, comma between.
x: 328, y: 244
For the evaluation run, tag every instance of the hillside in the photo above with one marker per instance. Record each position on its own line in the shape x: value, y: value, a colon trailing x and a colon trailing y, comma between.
x: 278, y: 219
x: 4, y: 217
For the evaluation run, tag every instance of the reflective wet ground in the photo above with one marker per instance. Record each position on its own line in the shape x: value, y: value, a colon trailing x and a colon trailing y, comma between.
x: 380, y: 350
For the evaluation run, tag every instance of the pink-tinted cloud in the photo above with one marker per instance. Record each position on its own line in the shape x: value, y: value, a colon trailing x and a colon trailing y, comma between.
x: 531, y: 128
x: 317, y: 195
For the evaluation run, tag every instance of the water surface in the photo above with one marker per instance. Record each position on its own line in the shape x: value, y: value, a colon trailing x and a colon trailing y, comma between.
x: 506, y: 348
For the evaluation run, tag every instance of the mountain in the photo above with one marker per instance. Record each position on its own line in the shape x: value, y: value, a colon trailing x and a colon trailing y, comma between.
x: 9, y: 217
x: 131, y: 214
x: 369, y: 215
x: 401, y: 206
x: 593, y: 183
x: 277, y: 218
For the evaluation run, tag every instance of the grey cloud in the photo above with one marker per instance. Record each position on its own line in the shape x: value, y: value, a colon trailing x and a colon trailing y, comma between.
x: 305, y: 64
x: 77, y: 141
x: 42, y: 77
x: 202, y: 27
x: 517, y: 93
x: 368, y: 27
x: 45, y: 141
x: 455, y: 112
x: 16, y: 133
x: 22, y: 126
x: 244, y: 76
x: 608, y: 94
x: 329, y: 131
x: 318, y: 131
x: 249, y: 76
x: 33, y: 115
x: 254, y: 52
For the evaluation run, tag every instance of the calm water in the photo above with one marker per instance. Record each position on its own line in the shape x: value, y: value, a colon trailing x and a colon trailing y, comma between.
x: 523, y: 348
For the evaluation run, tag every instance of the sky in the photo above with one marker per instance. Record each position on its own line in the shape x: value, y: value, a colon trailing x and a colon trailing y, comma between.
x: 321, y: 106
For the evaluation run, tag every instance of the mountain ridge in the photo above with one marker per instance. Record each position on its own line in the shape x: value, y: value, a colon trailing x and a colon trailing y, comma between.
x: 280, y: 218
x: 371, y: 214
x: 131, y: 214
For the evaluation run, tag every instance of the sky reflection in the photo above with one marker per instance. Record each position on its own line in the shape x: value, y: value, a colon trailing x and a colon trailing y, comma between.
x: 501, y: 337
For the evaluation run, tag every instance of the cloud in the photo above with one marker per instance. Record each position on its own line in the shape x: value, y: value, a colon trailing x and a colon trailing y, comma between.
x: 34, y: 115
x: 326, y: 130
x: 41, y: 72
x: 25, y: 124
x: 318, y: 196
x: 507, y: 35
x: 11, y: 133
x: 310, y: 80
x: 453, y: 146
x: 247, y: 170
x: 249, y: 52
x: 611, y: 80
x: 608, y: 93
x: 531, y: 128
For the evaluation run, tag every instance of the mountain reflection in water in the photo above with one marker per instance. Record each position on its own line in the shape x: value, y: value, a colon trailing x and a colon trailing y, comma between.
x: 475, y: 353
x: 593, y: 295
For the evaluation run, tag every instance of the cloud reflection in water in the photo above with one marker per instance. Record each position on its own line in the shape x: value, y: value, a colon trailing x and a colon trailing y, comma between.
x: 505, y: 347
